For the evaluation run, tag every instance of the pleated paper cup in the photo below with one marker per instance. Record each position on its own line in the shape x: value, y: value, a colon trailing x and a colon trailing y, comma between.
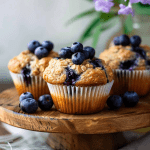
x: 79, y: 100
x: 135, y: 80
x: 34, y: 84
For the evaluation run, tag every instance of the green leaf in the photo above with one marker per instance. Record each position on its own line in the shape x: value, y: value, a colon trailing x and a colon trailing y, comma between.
x: 141, y: 9
x: 81, y: 15
x: 96, y: 35
x: 128, y: 25
x: 88, y: 30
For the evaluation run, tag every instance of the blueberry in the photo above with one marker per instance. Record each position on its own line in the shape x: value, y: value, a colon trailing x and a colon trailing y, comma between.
x: 25, y: 96
x: 130, y: 99
x: 139, y: 51
x: 71, y: 77
x: 129, y: 64
x: 32, y: 45
x: 90, y: 50
x: 135, y: 41
x: 76, y: 47
x: 57, y: 58
x: 114, y: 102
x: 29, y: 105
x: 45, y: 102
x: 41, y: 52
x: 26, y: 75
x: 48, y: 45
x: 65, y: 52
x: 78, y: 58
x: 25, y: 71
x: 117, y: 40
x: 96, y: 63
x: 124, y: 40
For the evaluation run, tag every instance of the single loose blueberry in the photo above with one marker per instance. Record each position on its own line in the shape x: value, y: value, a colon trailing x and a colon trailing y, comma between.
x: 41, y: 52
x: 48, y: 45
x: 124, y: 40
x: 65, y: 52
x: 139, y: 51
x: 25, y: 96
x: 76, y: 47
x: 78, y: 58
x: 130, y: 99
x: 91, y: 51
x: 32, y: 45
x: 135, y: 41
x: 117, y: 40
x: 114, y: 102
x: 45, y: 102
x: 29, y: 105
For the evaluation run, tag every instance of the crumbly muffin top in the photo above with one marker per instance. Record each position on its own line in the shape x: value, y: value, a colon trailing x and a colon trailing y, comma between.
x: 127, y: 57
x: 91, y: 72
x: 31, y: 61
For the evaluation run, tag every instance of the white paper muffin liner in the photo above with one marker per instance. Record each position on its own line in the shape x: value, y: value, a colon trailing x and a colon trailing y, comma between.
x: 136, y: 80
x: 79, y: 100
x: 37, y: 87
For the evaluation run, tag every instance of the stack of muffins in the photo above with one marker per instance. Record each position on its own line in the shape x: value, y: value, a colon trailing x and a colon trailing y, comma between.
x: 130, y: 62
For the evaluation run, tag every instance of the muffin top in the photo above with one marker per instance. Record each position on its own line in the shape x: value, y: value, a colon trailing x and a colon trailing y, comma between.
x: 75, y: 67
x: 127, y: 54
x: 27, y: 61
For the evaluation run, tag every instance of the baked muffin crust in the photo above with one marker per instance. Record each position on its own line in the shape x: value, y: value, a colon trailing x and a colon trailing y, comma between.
x: 116, y: 55
x: 25, y: 58
x: 89, y: 75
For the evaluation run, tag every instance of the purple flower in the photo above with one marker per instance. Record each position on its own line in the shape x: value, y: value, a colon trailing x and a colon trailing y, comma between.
x: 125, y: 10
x: 103, y: 5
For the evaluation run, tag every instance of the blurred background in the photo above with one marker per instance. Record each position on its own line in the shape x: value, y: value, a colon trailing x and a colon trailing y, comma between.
x: 22, y: 21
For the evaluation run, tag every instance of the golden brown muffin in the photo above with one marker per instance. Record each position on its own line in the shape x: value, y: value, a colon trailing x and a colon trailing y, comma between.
x: 28, y: 59
x: 130, y: 66
x: 90, y: 73
x: 125, y: 58
x: 27, y: 70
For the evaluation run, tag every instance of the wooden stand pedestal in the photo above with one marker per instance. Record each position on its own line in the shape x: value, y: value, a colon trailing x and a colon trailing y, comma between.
x: 100, y: 131
x: 64, y: 141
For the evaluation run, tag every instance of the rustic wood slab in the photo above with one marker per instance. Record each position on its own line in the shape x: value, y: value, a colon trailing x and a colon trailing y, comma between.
x: 106, y: 121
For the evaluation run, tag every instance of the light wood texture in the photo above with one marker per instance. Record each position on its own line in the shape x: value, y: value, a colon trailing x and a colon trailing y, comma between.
x: 106, y: 121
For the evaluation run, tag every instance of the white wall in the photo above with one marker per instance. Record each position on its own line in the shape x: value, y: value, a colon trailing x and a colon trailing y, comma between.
x: 25, y: 20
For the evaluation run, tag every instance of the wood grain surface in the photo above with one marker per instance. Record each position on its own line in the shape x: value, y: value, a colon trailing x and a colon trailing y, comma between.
x: 106, y: 121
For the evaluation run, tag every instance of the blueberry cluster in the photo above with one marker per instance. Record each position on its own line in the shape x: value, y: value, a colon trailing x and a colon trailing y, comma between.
x: 40, y: 50
x: 77, y: 53
x: 130, y: 99
x: 124, y: 40
x: 29, y: 105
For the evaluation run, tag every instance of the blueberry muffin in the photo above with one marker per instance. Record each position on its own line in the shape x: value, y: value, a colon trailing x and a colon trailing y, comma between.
x: 27, y: 68
x: 79, y: 82
x: 130, y: 62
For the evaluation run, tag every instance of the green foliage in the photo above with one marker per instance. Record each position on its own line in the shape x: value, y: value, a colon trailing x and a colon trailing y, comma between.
x: 128, y: 25
x: 81, y: 15
x: 142, y: 9
x: 102, y: 21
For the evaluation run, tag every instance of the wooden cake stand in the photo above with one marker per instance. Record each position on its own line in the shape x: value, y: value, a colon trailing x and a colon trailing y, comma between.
x: 77, y: 132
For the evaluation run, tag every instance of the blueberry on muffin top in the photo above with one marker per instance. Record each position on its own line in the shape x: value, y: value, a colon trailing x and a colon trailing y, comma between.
x: 76, y: 65
x: 35, y: 59
x: 127, y: 54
